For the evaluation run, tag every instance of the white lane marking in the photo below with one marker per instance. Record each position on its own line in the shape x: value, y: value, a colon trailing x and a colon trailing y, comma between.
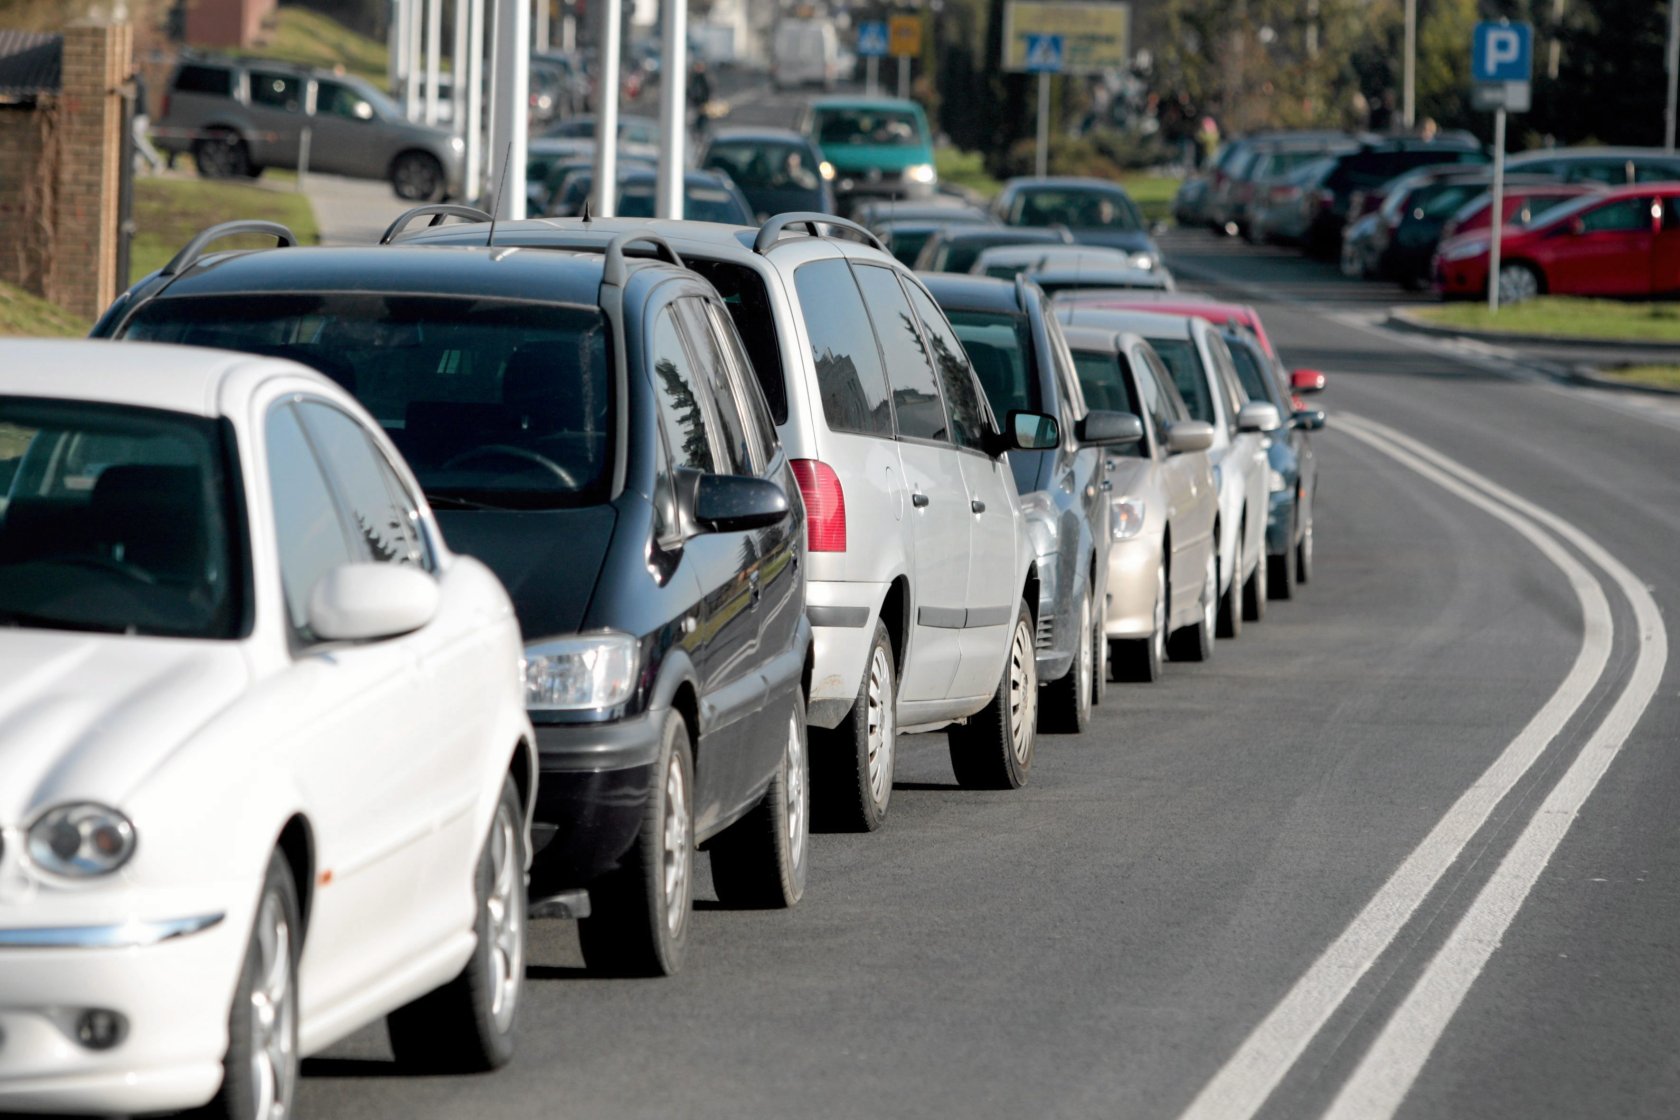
x: 1254, y: 1071
x: 1391, y: 1066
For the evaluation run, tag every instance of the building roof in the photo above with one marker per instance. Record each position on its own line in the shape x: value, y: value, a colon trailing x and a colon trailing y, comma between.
x: 31, y: 63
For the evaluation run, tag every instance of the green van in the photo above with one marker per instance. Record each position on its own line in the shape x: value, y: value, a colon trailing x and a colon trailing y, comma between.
x: 879, y: 147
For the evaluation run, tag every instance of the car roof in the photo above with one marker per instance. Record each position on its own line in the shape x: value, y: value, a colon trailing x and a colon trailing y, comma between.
x: 1119, y: 277
x: 1146, y: 323
x: 841, y: 101
x: 1063, y: 183
x: 186, y: 379
x: 1054, y: 252
x: 958, y: 291
x: 1006, y: 235
x: 763, y: 134
x: 1587, y: 151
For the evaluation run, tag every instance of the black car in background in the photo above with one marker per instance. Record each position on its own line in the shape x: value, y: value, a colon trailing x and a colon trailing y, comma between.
x: 778, y: 169
x: 1369, y: 166
x: 955, y: 248
x: 590, y: 427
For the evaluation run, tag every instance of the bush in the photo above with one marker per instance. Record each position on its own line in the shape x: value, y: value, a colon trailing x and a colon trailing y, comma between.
x: 1105, y: 155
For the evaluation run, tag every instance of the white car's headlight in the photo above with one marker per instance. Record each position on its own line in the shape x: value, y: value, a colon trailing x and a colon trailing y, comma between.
x: 1125, y: 518
x: 919, y: 173
x: 1275, y: 481
x: 1465, y: 251
x: 581, y: 673
x: 81, y: 841
x: 1143, y: 260
x: 826, y: 170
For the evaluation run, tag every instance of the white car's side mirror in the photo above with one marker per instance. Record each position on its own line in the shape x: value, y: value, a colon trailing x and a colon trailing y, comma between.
x: 365, y: 602
x: 1258, y: 416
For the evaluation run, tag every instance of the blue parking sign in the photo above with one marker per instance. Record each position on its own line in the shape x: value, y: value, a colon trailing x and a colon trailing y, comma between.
x: 1502, y: 52
x: 872, y: 39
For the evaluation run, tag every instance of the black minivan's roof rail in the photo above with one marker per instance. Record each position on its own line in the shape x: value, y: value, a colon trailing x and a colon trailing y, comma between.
x: 614, y: 271
x: 438, y: 211
x: 194, y: 249
x: 812, y: 222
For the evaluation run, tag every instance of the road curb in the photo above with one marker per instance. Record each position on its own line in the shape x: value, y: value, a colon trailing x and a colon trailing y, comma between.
x: 1402, y: 319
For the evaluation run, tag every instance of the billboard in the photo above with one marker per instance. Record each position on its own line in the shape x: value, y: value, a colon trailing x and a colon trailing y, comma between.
x: 1095, y: 35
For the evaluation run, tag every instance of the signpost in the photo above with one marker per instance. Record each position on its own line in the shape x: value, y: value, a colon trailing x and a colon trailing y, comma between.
x: 1096, y: 36
x: 905, y: 40
x: 1502, y: 67
x: 1044, y: 58
x: 872, y: 47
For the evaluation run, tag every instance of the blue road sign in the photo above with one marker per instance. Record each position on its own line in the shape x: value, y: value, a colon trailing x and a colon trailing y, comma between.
x: 1044, y: 54
x: 872, y: 39
x: 1502, y: 52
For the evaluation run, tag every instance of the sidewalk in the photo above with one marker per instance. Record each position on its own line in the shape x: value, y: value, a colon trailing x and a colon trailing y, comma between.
x: 351, y: 211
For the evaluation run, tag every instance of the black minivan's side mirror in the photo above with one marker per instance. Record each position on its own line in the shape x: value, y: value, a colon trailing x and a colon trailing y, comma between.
x: 734, y: 503
x: 1104, y: 428
x: 1028, y: 431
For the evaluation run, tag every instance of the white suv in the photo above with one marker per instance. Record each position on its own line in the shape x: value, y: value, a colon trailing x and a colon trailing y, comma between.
x: 921, y: 582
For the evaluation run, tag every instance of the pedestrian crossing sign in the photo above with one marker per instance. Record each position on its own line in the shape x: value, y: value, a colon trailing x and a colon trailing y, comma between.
x: 1044, y: 54
x: 872, y: 39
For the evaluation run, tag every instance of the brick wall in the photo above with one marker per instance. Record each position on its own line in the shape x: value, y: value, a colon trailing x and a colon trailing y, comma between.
x: 25, y: 194
x: 226, y: 23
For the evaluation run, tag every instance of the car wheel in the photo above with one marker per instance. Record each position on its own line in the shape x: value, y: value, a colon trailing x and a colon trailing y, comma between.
x: 639, y: 926
x: 1231, y: 602
x: 1518, y: 282
x: 466, y: 1026
x: 994, y: 749
x: 1254, y: 587
x: 1304, y: 555
x: 1195, y: 642
x: 417, y: 177
x: 1066, y: 703
x: 1143, y: 659
x: 260, y: 1070
x: 1284, y: 569
x: 759, y: 862
x: 221, y: 155
x: 853, y: 764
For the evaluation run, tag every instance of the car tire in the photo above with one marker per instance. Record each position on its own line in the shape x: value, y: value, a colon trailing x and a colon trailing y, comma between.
x: 1519, y: 282
x: 1304, y: 555
x: 417, y: 177
x: 221, y: 154
x: 994, y: 748
x: 641, y: 912
x: 760, y: 861
x: 1065, y: 704
x: 1255, y: 587
x: 1195, y: 642
x: 852, y: 765
x: 1231, y: 601
x: 467, y: 1025
x: 1144, y: 659
x: 1099, y: 662
x: 1284, y: 569
x: 261, y: 1068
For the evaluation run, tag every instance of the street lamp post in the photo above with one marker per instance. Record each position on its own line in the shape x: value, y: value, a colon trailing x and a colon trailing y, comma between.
x: 1408, y: 96
x: 673, y: 108
x: 510, y: 70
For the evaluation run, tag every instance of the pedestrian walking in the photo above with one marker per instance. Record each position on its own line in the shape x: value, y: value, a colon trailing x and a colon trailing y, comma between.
x: 141, y: 124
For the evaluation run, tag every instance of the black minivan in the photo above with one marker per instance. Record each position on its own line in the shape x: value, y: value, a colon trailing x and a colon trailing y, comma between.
x: 590, y: 427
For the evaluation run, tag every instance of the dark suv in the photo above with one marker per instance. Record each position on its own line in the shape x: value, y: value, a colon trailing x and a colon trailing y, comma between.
x: 589, y: 426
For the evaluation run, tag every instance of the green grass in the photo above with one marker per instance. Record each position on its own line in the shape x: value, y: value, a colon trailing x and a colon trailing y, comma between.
x: 168, y: 212
x: 24, y: 315
x: 1152, y: 193
x: 312, y: 39
x: 1663, y: 377
x: 1566, y: 317
x: 964, y: 169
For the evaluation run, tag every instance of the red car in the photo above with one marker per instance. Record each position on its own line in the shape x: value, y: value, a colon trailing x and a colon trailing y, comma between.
x: 1624, y: 242
x: 1177, y: 303
x: 1522, y: 206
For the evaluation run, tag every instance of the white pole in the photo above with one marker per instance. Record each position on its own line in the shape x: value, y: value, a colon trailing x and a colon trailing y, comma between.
x: 460, y: 71
x: 1408, y: 99
x: 611, y: 15
x: 903, y: 77
x: 872, y: 76
x: 411, y: 62
x: 1673, y: 70
x: 1042, y: 163
x: 473, y: 80
x: 540, y: 27
x: 673, y: 108
x: 510, y: 106
x: 1498, y: 211
x: 393, y: 45
x: 434, y: 56
x: 568, y: 30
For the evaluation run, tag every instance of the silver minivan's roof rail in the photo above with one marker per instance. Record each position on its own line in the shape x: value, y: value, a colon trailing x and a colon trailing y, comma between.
x: 194, y: 249
x: 438, y: 211
x: 812, y: 221
x: 614, y: 271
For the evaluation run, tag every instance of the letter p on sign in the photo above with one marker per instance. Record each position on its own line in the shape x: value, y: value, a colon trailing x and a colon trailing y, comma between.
x: 1502, y: 52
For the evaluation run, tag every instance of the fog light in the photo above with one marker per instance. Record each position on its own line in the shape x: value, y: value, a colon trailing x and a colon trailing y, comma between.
x: 98, y: 1029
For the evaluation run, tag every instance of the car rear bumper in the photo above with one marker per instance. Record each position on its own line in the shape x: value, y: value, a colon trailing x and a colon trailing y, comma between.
x: 842, y: 618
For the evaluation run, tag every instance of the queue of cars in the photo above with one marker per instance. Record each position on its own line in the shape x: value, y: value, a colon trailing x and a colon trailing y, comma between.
x: 727, y: 509
x: 1577, y: 221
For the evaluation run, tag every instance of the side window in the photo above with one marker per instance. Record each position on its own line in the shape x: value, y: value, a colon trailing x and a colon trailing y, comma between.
x: 306, y: 522
x: 849, y: 371
x: 1173, y: 408
x: 667, y: 526
x: 334, y: 100
x: 1068, y: 377
x: 1628, y: 215
x: 1226, y: 372
x: 915, y: 395
x: 204, y: 79
x: 962, y: 396
x: 384, y: 518
x: 680, y: 404
x: 730, y: 435
x: 754, y: 409
x: 277, y: 91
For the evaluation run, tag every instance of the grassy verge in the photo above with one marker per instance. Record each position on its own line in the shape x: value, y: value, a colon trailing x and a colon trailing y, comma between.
x: 1566, y: 317
x: 1152, y: 193
x: 1661, y: 377
x: 312, y: 39
x: 964, y: 169
x: 24, y: 315
x: 168, y: 212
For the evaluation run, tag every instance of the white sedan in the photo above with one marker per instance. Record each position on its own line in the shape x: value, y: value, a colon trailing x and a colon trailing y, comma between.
x: 265, y: 771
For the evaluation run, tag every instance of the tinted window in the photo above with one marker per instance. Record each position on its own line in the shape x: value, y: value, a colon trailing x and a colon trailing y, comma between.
x: 730, y: 436
x: 849, y: 372
x: 1625, y: 216
x: 875, y: 127
x: 767, y: 166
x: 700, y: 203
x: 1250, y: 374
x: 1612, y: 172
x: 743, y: 294
x: 759, y: 428
x: 389, y: 528
x: 1103, y: 378
x: 952, y: 361
x: 998, y: 348
x: 334, y: 100
x: 1648, y: 172
x: 1080, y: 209
x: 306, y: 523
x: 909, y: 367
x: 1226, y: 372
x: 277, y: 91
x: 1185, y: 365
x: 204, y: 79
x: 1160, y: 392
x: 681, y: 406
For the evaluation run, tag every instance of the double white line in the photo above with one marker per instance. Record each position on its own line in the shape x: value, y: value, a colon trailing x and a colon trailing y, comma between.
x: 1388, y: 1070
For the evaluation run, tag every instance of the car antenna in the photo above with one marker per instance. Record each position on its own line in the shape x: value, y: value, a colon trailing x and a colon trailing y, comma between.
x: 586, y: 214
x: 500, y: 192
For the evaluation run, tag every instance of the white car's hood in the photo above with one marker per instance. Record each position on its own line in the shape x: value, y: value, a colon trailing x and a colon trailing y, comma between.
x: 90, y: 716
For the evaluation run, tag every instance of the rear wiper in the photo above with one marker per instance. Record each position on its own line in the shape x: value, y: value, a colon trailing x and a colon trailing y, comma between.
x: 450, y: 501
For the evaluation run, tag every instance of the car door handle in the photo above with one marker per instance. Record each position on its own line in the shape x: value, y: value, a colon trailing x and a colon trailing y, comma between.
x: 977, y: 505
x: 1107, y: 484
x: 919, y: 500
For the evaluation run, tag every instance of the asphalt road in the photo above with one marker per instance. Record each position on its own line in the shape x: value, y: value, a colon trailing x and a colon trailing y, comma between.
x: 1339, y: 870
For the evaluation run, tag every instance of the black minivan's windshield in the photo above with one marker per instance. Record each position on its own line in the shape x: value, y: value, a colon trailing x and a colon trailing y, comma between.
x: 116, y: 519
x: 492, y: 402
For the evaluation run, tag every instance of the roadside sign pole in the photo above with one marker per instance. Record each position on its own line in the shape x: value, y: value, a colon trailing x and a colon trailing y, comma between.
x: 1673, y: 72
x: 903, y: 77
x: 459, y: 72
x: 1042, y: 162
x: 609, y: 33
x: 673, y: 109
x: 1498, y: 211
x: 434, y: 56
x: 872, y: 76
x: 510, y: 112
x: 472, y: 77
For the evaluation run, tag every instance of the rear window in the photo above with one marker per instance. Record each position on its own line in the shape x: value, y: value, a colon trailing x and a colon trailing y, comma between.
x: 743, y: 293
x: 204, y: 79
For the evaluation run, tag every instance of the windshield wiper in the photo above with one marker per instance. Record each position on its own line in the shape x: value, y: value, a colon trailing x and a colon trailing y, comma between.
x: 450, y: 501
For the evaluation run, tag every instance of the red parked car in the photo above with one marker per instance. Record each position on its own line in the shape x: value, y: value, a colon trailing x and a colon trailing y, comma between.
x: 1624, y: 242
x: 1522, y: 206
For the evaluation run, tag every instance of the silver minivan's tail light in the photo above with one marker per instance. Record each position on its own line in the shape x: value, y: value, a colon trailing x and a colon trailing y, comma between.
x: 825, y: 505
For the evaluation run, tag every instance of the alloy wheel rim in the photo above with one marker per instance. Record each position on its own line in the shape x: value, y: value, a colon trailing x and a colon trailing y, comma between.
x: 273, y: 1012
x: 677, y: 847
x: 1210, y: 595
x: 1086, y: 657
x: 1023, y: 694
x: 506, y: 959
x: 1307, y: 546
x: 1158, y: 640
x: 1516, y: 284
x: 795, y: 793
x: 881, y: 733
